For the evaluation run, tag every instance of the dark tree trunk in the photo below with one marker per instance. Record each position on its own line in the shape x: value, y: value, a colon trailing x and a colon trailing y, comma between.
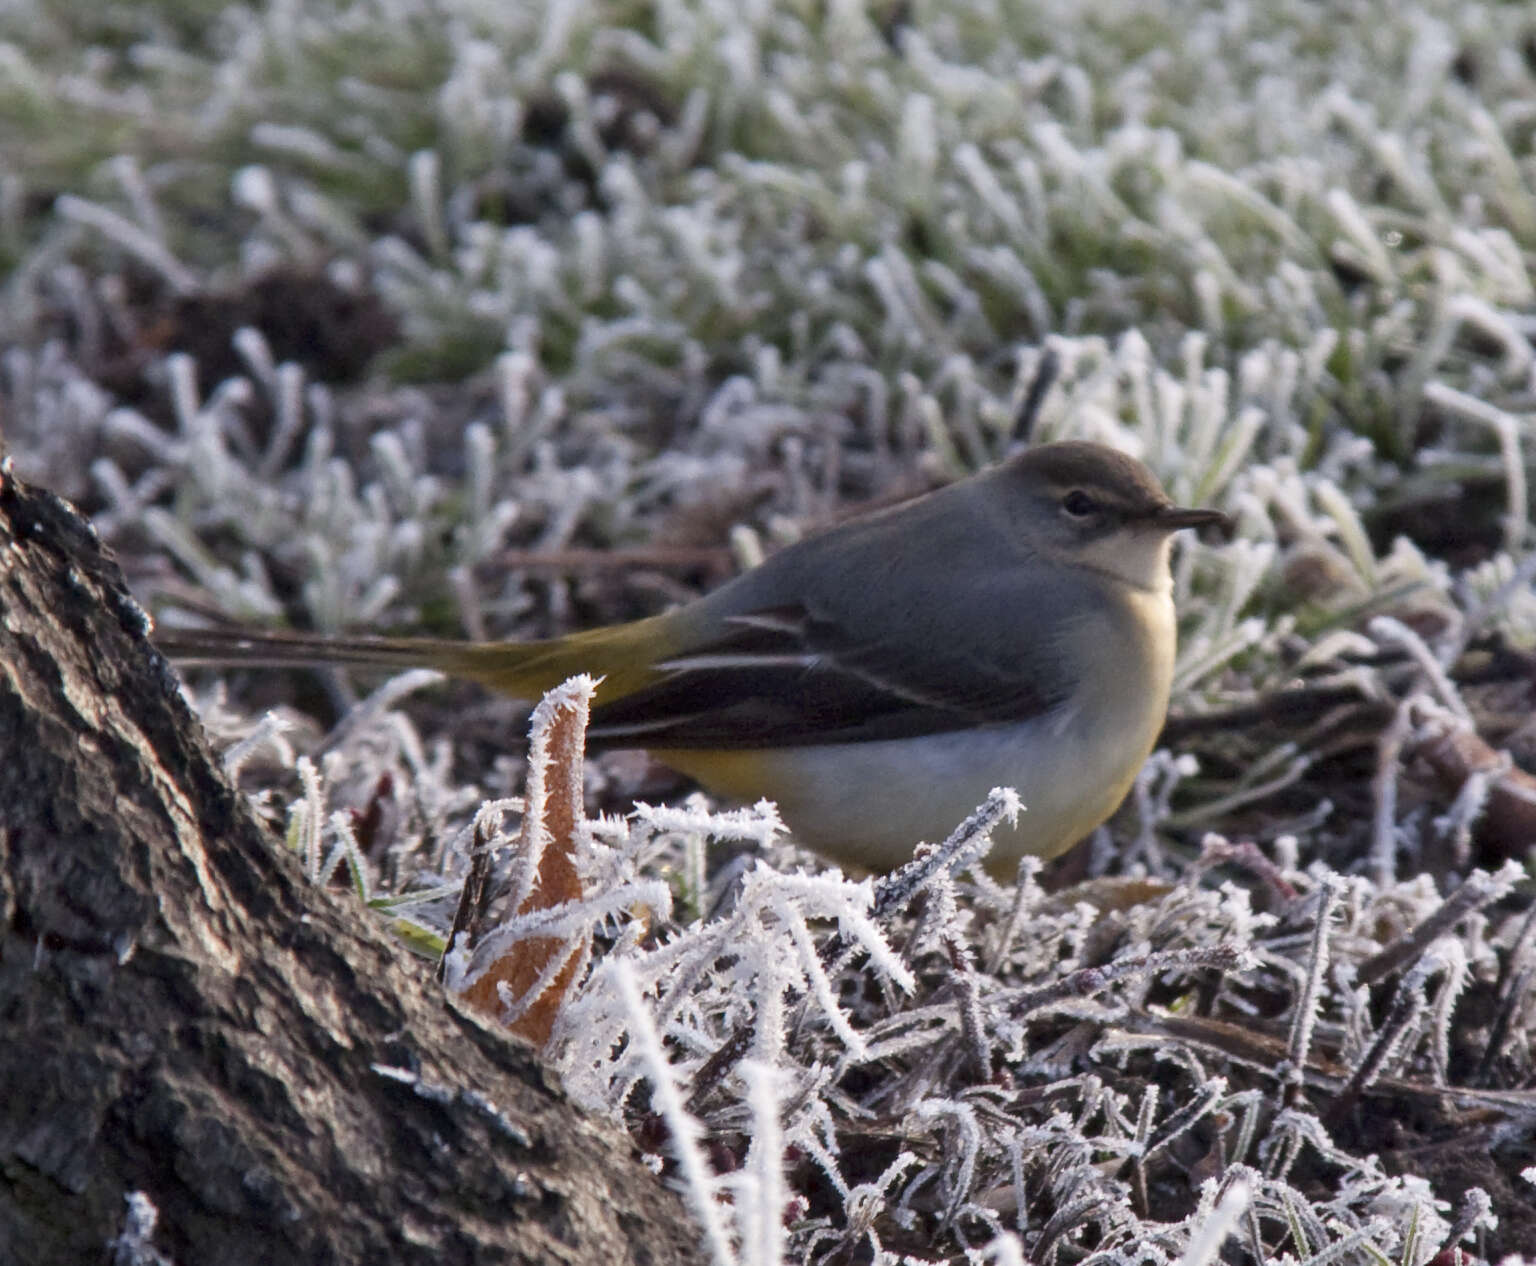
x: 182, y: 1014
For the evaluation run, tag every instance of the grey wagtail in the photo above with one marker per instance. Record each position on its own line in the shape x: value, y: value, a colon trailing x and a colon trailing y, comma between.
x: 878, y: 680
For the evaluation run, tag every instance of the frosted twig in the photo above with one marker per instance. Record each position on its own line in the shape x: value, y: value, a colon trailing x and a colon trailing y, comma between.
x: 1175, y: 1123
x: 683, y: 1127
x: 1478, y: 890
x: 364, y: 715
x: 1386, y: 629
x: 966, y: 844
x: 1506, y: 428
x: 1304, y: 1010
x: 1408, y: 1004
x: 1473, y: 1211
x: 1389, y: 750
x: 1515, y: 977
x: 1215, y: 1225
x: 131, y: 238
x: 760, y: 1204
x: 1026, y: 893
x: 1090, y: 980
x: 268, y: 732
x: 961, y: 1168
x: 305, y: 818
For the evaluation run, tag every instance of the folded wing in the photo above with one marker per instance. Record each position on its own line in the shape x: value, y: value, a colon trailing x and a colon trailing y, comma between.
x: 786, y: 676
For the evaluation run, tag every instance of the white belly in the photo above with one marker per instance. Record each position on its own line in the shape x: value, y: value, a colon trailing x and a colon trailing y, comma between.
x: 870, y: 804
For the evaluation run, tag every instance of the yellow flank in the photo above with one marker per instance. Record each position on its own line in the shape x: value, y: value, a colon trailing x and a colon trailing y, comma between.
x: 621, y: 655
x: 737, y: 775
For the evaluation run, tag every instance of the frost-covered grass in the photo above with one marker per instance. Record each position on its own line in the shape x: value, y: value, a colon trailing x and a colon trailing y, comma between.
x: 677, y: 283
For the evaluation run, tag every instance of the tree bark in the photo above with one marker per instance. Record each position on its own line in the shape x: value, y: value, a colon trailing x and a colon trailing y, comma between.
x: 183, y: 1015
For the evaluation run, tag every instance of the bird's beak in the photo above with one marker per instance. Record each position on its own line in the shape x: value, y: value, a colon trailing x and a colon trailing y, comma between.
x: 1173, y: 518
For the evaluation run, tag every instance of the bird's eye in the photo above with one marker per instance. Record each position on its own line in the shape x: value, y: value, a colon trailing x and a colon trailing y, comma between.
x: 1079, y: 504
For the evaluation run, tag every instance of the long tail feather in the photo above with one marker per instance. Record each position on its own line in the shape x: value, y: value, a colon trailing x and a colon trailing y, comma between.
x: 258, y: 648
x: 622, y: 654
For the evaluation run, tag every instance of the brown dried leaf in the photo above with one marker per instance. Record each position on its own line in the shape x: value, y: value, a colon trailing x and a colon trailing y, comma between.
x: 547, y: 847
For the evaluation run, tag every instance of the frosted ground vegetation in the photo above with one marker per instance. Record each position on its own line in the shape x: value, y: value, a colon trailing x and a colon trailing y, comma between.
x: 347, y: 315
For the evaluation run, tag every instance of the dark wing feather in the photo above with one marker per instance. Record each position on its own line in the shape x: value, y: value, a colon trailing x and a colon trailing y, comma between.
x: 784, y: 677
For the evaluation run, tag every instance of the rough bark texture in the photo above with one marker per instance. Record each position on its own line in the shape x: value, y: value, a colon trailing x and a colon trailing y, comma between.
x: 182, y: 1014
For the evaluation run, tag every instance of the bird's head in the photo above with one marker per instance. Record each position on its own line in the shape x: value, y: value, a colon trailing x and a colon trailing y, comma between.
x: 1087, y: 505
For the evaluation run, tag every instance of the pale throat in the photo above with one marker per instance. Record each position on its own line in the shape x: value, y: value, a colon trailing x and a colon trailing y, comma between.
x: 1126, y: 662
x: 1139, y: 559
